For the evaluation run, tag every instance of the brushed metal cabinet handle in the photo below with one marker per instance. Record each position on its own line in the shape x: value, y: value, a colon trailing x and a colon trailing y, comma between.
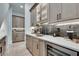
x: 37, y: 46
x: 57, y: 17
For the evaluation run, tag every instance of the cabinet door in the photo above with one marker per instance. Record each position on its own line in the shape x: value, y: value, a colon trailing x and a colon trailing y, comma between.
x: 57, y: 50
x: 44, y: 12
x: 54, y: 11
x: 17, y: 22
x: 14, y: 23
x: 19, y: 36
x: 27, y: 41
x: 77, y: 9
x: 33, y: 17
x: 20, y: 22
x: 30, y: 44
x: 68, y: 11
x: 13, y: 35
x: 35, y: 47
x: 42, y: 48
x: 38, y: 12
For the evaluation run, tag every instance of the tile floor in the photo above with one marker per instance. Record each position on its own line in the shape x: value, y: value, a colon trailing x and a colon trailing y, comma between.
x: 18, y: 49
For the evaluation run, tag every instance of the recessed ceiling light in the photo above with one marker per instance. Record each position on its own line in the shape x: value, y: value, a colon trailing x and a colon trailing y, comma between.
x: 21, y: 6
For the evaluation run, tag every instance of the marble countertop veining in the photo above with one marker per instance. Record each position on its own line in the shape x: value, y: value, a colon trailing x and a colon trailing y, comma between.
x: 59, y: 41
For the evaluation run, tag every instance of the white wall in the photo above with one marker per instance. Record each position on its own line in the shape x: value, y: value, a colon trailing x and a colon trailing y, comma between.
x: 9, y: 28
x: 27, y: 17
x: 17, y: 14
x: 3, y: 11
x: 6, y: 27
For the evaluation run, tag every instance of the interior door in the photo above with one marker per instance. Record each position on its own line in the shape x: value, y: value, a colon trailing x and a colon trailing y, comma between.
x: 19, y: 36
x: 20, y: 22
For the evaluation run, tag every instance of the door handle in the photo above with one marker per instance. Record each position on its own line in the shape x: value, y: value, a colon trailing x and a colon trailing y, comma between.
x: 59, y: 15
x: 37, y: 46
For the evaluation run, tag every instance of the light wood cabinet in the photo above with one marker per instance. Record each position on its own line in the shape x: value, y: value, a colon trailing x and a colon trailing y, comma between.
x: 33, y: 17
x: 13, y: 35
x: 35, y: 46
x: 54, y: 12
x: 42, y: 48
x: 68, y: 11
x: 14, y: 23
x: 17, y: 28
x: 20, y: 22
x: 77, y: 9
x: 38, y: 13
x: 17, y: 22
x: 44, y: 12
x: 18, y: 35
x: 29, y: 43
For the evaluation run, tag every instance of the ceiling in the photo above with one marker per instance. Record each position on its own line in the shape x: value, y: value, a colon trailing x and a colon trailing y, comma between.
x: 18, y: 8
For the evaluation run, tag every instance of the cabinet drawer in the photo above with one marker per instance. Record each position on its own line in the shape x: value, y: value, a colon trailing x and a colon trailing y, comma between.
x: 61, y: 50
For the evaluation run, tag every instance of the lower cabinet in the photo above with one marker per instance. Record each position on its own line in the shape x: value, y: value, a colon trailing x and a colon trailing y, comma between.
x: 56, y: 50
x: 29, y: 43
x: 35, y: 46
x: 2, y: 46
x: 17, y: 35
x: 40, y: 47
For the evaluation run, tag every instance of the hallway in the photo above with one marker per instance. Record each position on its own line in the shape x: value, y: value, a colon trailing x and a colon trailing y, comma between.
x: 18, y: 49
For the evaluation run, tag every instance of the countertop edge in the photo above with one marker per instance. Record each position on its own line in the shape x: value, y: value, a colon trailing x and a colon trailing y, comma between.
x: 72, y: 48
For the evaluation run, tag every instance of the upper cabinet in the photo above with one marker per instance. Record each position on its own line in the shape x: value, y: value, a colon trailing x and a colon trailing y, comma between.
x: 54, y: 12
x: 77, y: 9
x: 17, y: 21
x: 33, y: 17
x: 42, y: 12
x: 68, y: 11
x: 38, y: 13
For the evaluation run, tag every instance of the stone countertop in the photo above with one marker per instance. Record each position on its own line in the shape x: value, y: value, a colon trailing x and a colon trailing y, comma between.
x: 59, y: 41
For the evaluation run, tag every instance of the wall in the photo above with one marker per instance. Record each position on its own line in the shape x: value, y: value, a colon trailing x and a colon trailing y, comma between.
x: 3, y: 30
x: 9, y: 28
x: 3, y: 11
x: 27, y: 17
x: 6, y: 27
x: 17, y: 14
